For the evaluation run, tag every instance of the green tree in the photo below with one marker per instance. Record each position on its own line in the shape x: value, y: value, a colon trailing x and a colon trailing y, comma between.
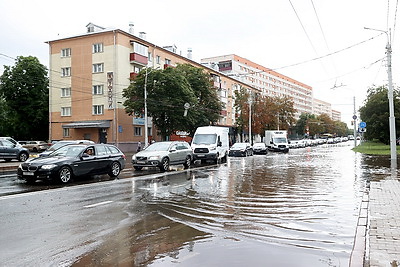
x: 301, y: 124
x: 207, y: 107
x: 167, y: 92
x: 375, y: 112
x: 24, y: 93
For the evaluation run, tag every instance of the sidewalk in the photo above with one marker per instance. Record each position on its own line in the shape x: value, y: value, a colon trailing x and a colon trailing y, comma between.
x: 384, y: 224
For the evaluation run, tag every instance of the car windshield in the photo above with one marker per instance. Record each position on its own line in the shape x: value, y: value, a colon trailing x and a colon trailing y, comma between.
x: 68, y: 151
x: 57, y: 145
x: 259, y: 145
x: 239, y: 145
x: 279, y: 140
x: 204, y: 139
x: 161, y: 146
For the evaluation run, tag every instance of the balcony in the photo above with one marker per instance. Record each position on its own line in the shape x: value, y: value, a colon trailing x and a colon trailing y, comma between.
x: 133, y: 75
x: 138, y: 59
x: 166, y: 65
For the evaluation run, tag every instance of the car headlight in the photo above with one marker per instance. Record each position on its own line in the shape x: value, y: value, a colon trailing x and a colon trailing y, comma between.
x: 154, y: 158
x: 48, y: 166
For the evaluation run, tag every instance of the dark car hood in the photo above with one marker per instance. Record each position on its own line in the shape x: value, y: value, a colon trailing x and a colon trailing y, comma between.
x: 48, y: 160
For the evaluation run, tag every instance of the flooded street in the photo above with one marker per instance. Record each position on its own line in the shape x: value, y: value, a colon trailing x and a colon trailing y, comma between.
x: 296, y: 209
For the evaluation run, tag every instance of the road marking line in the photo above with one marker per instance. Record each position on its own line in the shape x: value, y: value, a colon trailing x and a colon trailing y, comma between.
x: 98, y: 204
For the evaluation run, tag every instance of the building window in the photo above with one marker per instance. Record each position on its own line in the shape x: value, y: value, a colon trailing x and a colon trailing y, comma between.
x: 66, y: 52
x: 98, y: 109
x: 138, y: 131
x: 168, y: 61
x: 66, y: 72
x: 98, y: 89
x: 158, y: 59
x: 99, y: 67
x: 140, y: 49
x: 65, y: 132
x: 97, y: 48
x: 150, y: 57
x: 66, y: 111
x: 66, y: 92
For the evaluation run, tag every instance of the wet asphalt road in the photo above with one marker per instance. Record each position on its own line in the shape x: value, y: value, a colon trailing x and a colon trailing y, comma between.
x: 296, y: 209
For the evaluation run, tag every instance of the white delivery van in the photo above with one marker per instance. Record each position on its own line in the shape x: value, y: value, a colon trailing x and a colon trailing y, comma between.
x: 210, y: 143
x: 277, y: 140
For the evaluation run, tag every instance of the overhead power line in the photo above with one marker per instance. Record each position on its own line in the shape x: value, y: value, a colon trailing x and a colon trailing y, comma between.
x: 327, y: 55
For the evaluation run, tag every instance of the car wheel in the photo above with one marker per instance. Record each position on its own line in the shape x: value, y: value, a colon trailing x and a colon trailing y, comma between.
x: 115, y: 169
x: 65, y: 174
x: 137, y: 168
x: 224, y: 159
x: 164, y: 165
x: 23, y: 157
x: 187, y: 163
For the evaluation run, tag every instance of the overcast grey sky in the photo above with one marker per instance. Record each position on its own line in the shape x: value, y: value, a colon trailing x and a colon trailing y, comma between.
x: 275, y: 34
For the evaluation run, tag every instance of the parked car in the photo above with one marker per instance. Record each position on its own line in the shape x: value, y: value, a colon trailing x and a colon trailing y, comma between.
x: 10, y: 139
x: 241, y: 150
x: 36, y: 146
x: 260, y: 148
x: 59, y: 144
x: 72, y: 161
x: 164, y: 154
x: 10, y: 151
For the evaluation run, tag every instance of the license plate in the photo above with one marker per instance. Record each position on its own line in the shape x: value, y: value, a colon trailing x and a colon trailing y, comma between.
x: 28, y: 173
x: 200, y: 156
x: 141, y: 162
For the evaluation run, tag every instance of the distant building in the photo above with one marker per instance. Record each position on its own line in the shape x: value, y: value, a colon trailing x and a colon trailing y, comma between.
x: 264, y: 80
x: 336, y: 115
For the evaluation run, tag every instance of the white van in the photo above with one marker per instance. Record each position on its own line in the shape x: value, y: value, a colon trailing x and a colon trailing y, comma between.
x: 210, y: 143
x: 277, y: 141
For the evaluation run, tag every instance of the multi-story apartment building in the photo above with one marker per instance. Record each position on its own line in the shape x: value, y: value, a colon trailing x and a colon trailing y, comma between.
x: 322, y: 107
x: 264, y: 80
x: 88, y: 73
x: 336, y: 115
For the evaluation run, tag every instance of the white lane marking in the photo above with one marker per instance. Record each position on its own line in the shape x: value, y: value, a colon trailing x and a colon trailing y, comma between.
x: 98, y: 204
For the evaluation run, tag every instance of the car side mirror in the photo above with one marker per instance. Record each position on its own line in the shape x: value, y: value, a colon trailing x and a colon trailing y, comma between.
x: 219, y: 143
x: 271, y: 142
x: 85, y: 155
x: 172, y: 150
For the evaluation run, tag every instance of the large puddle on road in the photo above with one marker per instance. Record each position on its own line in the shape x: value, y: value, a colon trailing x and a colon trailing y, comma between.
x: 296, y: 209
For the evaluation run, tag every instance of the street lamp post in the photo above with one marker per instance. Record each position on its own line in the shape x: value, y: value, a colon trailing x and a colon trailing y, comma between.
x: 146, y: 134
x: 146, y: 131
x: 392, y: 123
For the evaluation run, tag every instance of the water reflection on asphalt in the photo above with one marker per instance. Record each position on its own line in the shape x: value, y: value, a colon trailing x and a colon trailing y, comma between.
x: 296, y: 209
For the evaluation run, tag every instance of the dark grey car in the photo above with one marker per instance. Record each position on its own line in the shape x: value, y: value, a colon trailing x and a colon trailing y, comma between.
x: 164, y: 154
x: 10, y: 151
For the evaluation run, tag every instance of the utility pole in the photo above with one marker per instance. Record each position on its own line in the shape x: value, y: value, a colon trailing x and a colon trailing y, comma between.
x: 392, y: 123
x: 250, y: 103
x: 355, y: 121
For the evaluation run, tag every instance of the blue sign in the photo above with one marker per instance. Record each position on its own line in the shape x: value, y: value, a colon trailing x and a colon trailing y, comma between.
x: 363, y: 124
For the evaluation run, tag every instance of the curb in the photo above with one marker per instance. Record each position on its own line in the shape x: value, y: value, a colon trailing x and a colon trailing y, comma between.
x: 359, y: 253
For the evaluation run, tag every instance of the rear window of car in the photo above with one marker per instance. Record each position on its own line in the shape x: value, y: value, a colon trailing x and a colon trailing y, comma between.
x: 113, y: 149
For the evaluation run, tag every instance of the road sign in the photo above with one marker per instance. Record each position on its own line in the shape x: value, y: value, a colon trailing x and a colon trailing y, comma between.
x: 363, y: 124
x: 354, y: 117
